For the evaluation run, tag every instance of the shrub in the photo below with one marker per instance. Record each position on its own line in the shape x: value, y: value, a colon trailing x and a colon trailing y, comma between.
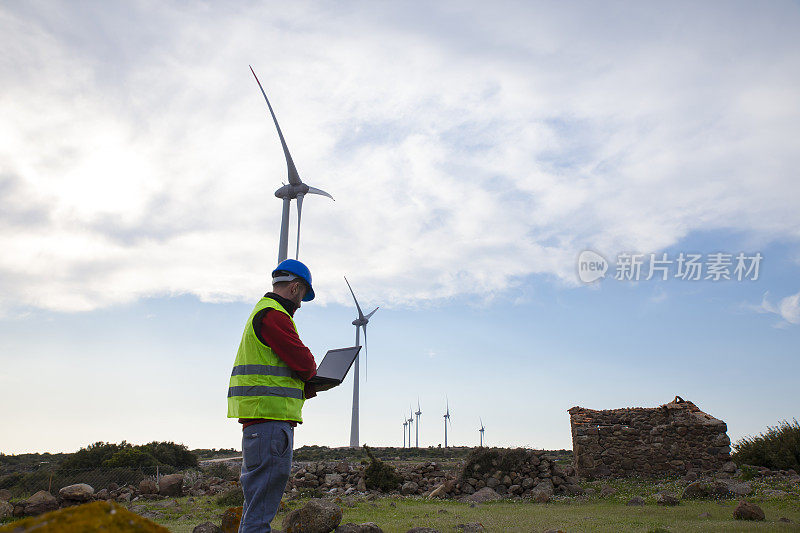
x: 231, y: 498
x: 379, y: 475
x: 222, y: 470
x: 131, y: 457
x: 778, y: 448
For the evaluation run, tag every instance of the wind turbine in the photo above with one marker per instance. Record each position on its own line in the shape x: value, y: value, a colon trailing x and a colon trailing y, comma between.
x: 481, y: 432
x: 360, y: 322
x: 418, y: 413
x: 410, y: 424
x: 295, y: 189
x: 405, y: 425
x: 446, y: 421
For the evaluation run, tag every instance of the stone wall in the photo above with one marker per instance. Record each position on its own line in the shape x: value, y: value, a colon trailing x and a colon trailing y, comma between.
x: 672, y: 439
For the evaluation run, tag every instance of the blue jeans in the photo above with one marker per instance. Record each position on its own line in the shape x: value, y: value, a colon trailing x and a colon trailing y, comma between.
x: 267, y: 461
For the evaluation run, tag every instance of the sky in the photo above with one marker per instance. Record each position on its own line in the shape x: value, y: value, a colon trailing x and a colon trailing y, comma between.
x: 474, y: 152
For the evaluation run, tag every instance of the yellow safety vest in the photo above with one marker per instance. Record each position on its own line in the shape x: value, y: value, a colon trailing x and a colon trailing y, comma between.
x: 262, y: 385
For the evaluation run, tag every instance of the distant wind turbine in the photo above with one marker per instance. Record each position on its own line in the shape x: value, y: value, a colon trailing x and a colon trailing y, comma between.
x: 296, y: 189
x: 410, y: 424
x: 446, y: 421
x: 405, y: 425
x: 418, y: 413
x: 360, y: 322
x: 481, y: 432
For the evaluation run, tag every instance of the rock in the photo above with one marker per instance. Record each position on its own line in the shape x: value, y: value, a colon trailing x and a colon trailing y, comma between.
x: 5, y: 495
x: 785, y: 520
x: 423, y: 530
x: 704, y: 515
x: 125, y: 497
x: 636, y: 500
x: 667, y: 499
x: 748, y: 511
x: 409, y: 487
x: 39, y: 503
x: 607, y: 490
x: 486, y: 494
x: 729, y: 467
x: 230, y: 519
x: 95, y: 516
x: 473, y: 527
x: 701, y: 489
x: 540, y: 496
x: 80, y: 492
x: 544, y: 486
x: 690, y: 476
x: 171, y: 485
x: 6, y: 510
x: 333, y: 479
x: 527, y: 483
x: 207, y: 527
x: 740, y: 489
x: 101, y: 494
x: 366, y: 527
x: 439, y: 492
x: 317, y: 516
x: 148, y: 486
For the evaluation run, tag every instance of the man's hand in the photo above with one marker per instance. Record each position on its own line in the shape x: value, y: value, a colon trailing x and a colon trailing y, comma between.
x: 327, y: 386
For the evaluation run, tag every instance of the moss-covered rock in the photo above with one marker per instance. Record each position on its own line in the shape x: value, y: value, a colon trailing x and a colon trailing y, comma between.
x: 96, y: 516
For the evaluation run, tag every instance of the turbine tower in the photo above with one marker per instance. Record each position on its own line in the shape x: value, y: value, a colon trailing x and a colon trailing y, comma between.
x: 481, y: 432
x: 360, y: 322
x: 410, y: 424
x: 405, y: 425
x: 446, y: 421
x: 418, y: 413
x: 296, y: 189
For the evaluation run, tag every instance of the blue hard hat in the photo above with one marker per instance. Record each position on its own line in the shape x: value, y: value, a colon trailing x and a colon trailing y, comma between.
x: 293, y: 266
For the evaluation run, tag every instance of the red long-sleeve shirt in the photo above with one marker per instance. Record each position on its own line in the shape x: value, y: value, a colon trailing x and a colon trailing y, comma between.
x: 275, y: 329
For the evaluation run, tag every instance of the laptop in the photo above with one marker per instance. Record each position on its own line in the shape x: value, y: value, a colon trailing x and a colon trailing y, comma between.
x: 335, y: 366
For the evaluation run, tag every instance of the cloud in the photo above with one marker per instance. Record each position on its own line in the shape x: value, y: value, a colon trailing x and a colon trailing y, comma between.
x: 467, y: 149
x: 788, y: 309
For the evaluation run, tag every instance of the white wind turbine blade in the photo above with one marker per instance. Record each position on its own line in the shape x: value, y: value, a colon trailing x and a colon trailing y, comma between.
x: 366, y: 352
x: 360, y: 314
x: 294, y: 177
x: 314, y: 190
x: 299, y: 214
x: 372, y: 313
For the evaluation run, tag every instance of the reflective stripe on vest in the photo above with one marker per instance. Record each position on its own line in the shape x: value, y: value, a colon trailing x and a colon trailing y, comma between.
x: 262, y: 385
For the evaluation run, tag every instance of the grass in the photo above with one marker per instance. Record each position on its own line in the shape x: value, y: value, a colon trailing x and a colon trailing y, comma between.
x: 591, y: 513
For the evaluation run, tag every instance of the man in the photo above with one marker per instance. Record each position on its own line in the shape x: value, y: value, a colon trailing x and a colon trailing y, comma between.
x: 267, y: 390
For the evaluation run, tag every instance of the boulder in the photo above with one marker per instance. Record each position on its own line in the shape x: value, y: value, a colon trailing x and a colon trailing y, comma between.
x: 317, y: 516
x: 207, y: 527
x: 80, y: 492
x: 729, y: 467
x: 702, y: 489
x: 148, y: 486
x: 423, y: 530
x: 333, y: 479
x: 607, y: 490
x: 636, y: 500
x: 409, y: 487
x: 94, y: 516
x: 171, y: 485
x: 39, y: 503
x: 740, y: 489
x: 6, y: 510
x: 748, y: 511
x: 540, y: 496
x: 366, y: 527
x: 5, y: 495
x: 472, y: 527
x: 439, y: 492
x: 544, y: 486
x: 230, y: 519
x: 666, y: 499
x: 486, y: 494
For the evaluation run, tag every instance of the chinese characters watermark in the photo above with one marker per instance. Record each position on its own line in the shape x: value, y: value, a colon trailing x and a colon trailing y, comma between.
x: 716, y: 266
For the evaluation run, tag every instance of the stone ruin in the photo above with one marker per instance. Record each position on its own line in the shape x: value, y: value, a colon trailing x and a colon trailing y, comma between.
x: 671, y: 439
